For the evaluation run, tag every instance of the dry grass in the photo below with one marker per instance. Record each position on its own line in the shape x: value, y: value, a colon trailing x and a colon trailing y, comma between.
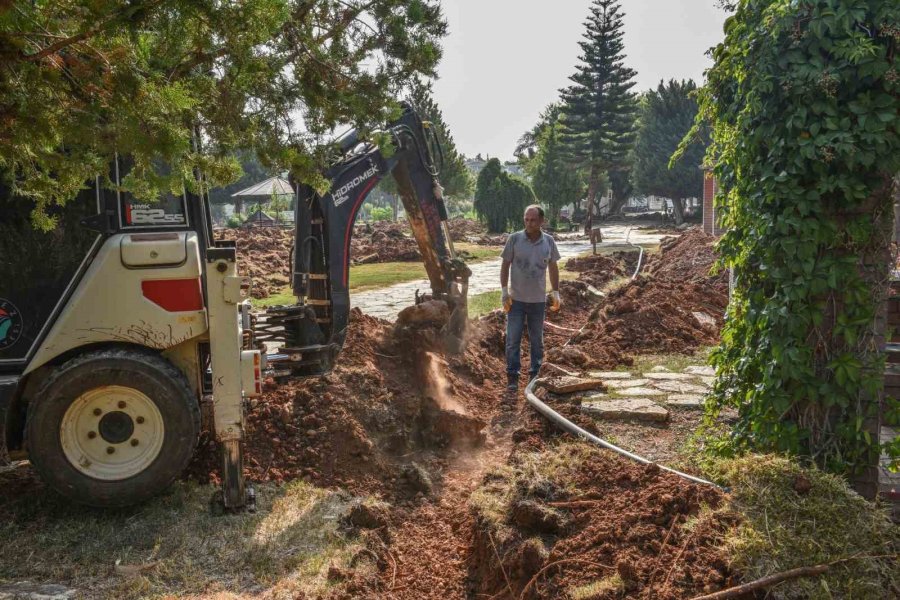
x: 173, y: 546
x: 607, y: 587
x: 783, y: 529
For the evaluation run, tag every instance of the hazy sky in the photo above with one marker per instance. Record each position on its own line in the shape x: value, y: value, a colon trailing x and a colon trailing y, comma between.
x: 505, y: 60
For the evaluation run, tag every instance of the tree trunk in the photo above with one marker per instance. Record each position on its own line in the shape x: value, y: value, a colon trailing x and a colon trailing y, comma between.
x: 678, y: 210
x: 394, y: 207
x: 238, y: 206
x: 616, y: 204
x: 593, y: 184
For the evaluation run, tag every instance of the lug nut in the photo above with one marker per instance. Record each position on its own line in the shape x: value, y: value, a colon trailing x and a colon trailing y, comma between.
x: 140, y: 420
x: 92, y: 435
x: 134, y: 442
x: 110, y: 449
x: 97, y: 412
x: 121, y: 404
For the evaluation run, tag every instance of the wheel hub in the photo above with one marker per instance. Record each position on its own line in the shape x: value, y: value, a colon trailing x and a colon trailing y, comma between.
x: 112, y: 432
x: 116, y: 427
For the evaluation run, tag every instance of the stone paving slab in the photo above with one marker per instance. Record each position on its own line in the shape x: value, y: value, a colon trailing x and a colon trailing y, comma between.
x: 679, y: 387
x: 25, y: 590
x: 625, y: 383
x: 610, y: 374
x: 708, y: 381
x: 642, y: 409
x: 660, y: 369
x: 685, y: 400
x: 706, y: 371
x: 664, y: 376
x: 640, y: 391
x: 566, y: 385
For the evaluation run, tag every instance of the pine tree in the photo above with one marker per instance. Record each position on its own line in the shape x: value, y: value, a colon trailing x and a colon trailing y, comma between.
x: 455, y: 177
x: 599, y: 109
x: 500, y: 198
x: 487, y: 196
x: 667, y: 114
x: 556, y: 182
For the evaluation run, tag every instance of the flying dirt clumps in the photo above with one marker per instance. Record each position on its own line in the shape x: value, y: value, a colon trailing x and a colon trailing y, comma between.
x: 674, y: 306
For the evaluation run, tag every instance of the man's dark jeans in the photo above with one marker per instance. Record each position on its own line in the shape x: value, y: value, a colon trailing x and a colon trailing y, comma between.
x: 522, y: 313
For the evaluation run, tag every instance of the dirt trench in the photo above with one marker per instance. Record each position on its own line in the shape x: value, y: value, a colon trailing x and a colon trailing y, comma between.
x: 422, y: 431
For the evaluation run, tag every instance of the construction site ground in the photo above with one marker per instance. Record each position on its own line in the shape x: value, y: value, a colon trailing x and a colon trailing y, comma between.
x: 409, y: 473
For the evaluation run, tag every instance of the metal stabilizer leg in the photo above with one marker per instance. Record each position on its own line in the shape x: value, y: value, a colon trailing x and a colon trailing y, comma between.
x: 236, y: 495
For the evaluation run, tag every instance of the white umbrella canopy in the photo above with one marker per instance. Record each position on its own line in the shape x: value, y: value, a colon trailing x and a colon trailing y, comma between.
x: 272, y: 185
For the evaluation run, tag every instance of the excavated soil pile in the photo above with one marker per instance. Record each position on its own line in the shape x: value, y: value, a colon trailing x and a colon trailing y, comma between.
x: 675, y: 307
x: 579, y: 521
x: 264, y: 254
x: 468, y: 230
x: 383, y: 241
x: 598, y: 270
x: 370, y: 425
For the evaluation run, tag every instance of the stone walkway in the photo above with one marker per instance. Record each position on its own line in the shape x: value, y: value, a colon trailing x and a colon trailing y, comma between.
x: 387, y: 302
x: 638, y: 396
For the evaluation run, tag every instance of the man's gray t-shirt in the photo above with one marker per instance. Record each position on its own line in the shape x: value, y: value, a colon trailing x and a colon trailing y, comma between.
x: 528, y: 270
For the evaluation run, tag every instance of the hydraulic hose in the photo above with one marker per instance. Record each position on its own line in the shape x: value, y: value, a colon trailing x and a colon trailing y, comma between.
x: 574, y: 429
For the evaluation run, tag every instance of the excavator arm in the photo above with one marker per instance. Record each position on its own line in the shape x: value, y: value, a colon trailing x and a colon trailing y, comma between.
x: 311, y: 332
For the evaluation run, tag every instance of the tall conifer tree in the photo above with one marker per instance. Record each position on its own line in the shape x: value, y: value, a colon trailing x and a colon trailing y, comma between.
x: 455, y: 177
x: 599, y: 108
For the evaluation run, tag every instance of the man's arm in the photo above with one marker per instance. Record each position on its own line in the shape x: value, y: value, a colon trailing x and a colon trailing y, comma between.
x: 554, y: 276
x: 504, y: 273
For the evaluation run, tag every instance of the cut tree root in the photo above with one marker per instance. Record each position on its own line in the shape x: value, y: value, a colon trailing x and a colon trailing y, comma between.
x: 770, y: 580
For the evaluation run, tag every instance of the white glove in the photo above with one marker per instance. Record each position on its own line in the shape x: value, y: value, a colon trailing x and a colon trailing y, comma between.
x: 555, y: 301
x: 505, y: 299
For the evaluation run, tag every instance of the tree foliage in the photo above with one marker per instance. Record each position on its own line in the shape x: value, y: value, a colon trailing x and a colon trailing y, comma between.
x: 556, y: 181
x: 500, y: 198
x: 454, y: 177
x: 666, y: 116
x: 83, y: 80
x: 803, y: 99
x: 599, y: 108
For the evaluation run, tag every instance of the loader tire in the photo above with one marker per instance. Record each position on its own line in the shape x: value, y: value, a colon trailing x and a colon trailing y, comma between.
x: 113, y: 427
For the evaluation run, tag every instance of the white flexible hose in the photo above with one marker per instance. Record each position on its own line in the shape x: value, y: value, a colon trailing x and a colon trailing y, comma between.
x: 574, y: 429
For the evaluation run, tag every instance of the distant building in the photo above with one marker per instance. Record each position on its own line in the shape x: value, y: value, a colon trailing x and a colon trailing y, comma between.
x: 475, y: 165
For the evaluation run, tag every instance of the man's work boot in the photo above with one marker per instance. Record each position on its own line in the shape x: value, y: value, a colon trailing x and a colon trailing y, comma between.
x: 512, y: 383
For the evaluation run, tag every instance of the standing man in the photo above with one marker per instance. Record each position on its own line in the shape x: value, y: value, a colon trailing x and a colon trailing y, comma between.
x: 528, y: 254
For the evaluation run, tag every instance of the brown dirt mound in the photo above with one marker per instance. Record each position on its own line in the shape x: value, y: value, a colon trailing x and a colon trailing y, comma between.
x: 387, y: 403
x: 689, y: 257
x: 264, y: 255
x: 674, y: 306
x: 383, y: 241
x: 597, y: 270
x: 468, y: 230
x: 608, y: 528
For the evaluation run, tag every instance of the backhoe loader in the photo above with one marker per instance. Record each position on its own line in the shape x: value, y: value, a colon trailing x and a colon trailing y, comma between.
x: 116, y: 325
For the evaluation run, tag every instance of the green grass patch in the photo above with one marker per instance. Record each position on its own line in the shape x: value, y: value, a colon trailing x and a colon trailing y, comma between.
x: 483, y: 303
x: 674, y: 362
x: 797, y: 517
x: 379, y: 275
x: 174, y: 546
